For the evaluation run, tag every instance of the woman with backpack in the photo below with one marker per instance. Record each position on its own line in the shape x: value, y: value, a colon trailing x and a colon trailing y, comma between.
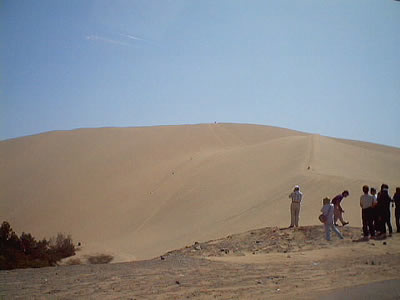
x: 327, y: 213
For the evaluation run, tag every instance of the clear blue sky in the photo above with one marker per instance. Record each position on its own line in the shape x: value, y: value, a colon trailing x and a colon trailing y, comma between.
x: 327, y: 67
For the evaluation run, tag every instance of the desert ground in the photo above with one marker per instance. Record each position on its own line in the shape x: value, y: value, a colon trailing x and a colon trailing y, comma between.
x: 139, y: 193
x: 268, y: 263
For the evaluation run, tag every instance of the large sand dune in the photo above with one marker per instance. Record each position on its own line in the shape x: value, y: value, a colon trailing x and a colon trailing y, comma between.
x: 138, y: 192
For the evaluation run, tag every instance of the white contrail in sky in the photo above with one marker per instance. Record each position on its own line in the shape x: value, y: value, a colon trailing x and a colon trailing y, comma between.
x: 132, y: 37
x: 139, y: 39
x: 94, y: 37
x: 125, y: 40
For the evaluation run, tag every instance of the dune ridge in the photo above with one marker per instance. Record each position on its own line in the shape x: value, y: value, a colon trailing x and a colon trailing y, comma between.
x: 139, y: 192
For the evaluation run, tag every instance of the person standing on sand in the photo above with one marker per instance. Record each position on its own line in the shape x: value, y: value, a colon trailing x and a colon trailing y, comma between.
x: 367, y: 202
x: 373, y: 192
x: 375, y: 209
x: 296, y: 197
x: 338, y: 212
x: 384, y: 214
x: 328, y: 211
x: 396, y: 199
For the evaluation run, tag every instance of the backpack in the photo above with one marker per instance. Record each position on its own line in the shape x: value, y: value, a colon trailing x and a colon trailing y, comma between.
x: 322, y: 218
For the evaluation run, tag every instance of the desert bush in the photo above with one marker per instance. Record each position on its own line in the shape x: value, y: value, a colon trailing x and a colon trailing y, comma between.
x: 28, y: 243
x: 61, y: 247
x: 26, y: 252
x: 99, y: 259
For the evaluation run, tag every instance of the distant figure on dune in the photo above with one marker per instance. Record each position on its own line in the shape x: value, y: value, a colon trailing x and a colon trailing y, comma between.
x: 367, y: 203
x: 396, y: 199
x: 383, y: 210
x: 328, y: 211
x: 338, y: 213
x: 296, y: 197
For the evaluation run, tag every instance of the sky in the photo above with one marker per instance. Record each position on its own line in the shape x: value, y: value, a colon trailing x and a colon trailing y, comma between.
x: 323, y: 67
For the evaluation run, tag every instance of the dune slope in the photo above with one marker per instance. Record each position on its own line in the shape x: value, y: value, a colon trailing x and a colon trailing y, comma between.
x: 139, y: 192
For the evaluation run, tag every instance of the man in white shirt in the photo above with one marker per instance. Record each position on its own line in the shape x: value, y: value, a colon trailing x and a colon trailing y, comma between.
x: 367, y: 202
x: 296, y: 197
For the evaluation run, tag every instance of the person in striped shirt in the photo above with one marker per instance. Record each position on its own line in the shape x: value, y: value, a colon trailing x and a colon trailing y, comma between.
x: 296, y: 197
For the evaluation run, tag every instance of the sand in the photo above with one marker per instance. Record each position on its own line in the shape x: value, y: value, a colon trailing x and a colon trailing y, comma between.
x: 250, y: 265
x: 136, y: 193
x: 383, y: 290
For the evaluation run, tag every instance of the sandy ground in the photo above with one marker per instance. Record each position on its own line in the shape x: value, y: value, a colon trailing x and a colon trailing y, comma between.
x: 268, y: 263
x: 383, y: 290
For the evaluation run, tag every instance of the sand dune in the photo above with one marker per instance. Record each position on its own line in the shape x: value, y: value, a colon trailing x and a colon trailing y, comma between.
x: 136, y: 193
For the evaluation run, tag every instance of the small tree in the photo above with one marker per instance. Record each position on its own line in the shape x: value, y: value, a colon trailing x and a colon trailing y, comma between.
x: 8, y: 238
x: 62, y: 246
x: 28, y: 243
x: 10, y: 247
x: 5, y: 231
x: 26, y: 252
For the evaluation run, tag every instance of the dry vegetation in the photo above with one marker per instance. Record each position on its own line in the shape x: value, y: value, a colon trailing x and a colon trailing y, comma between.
x: 99, y: 259
x: 25, y: 252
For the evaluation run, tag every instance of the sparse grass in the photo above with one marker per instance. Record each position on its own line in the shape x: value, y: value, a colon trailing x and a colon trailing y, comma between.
x: 99, y: 259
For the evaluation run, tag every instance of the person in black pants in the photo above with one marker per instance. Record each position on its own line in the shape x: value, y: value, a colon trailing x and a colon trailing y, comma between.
x: 384, y: 211
x: 396, y: 199
x: 367, y: 202
x: 375, y: 209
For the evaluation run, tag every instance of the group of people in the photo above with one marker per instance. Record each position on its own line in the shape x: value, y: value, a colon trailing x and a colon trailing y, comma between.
x: 376, y: 214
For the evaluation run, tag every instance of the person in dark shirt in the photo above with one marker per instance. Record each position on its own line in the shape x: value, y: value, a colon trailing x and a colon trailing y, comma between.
x: 375, y: 213
x: 383, y: 210
x: 338, y: 211
x: 396, y: 199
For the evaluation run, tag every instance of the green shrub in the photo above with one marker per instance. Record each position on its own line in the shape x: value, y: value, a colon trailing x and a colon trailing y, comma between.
x: 26, y: 252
